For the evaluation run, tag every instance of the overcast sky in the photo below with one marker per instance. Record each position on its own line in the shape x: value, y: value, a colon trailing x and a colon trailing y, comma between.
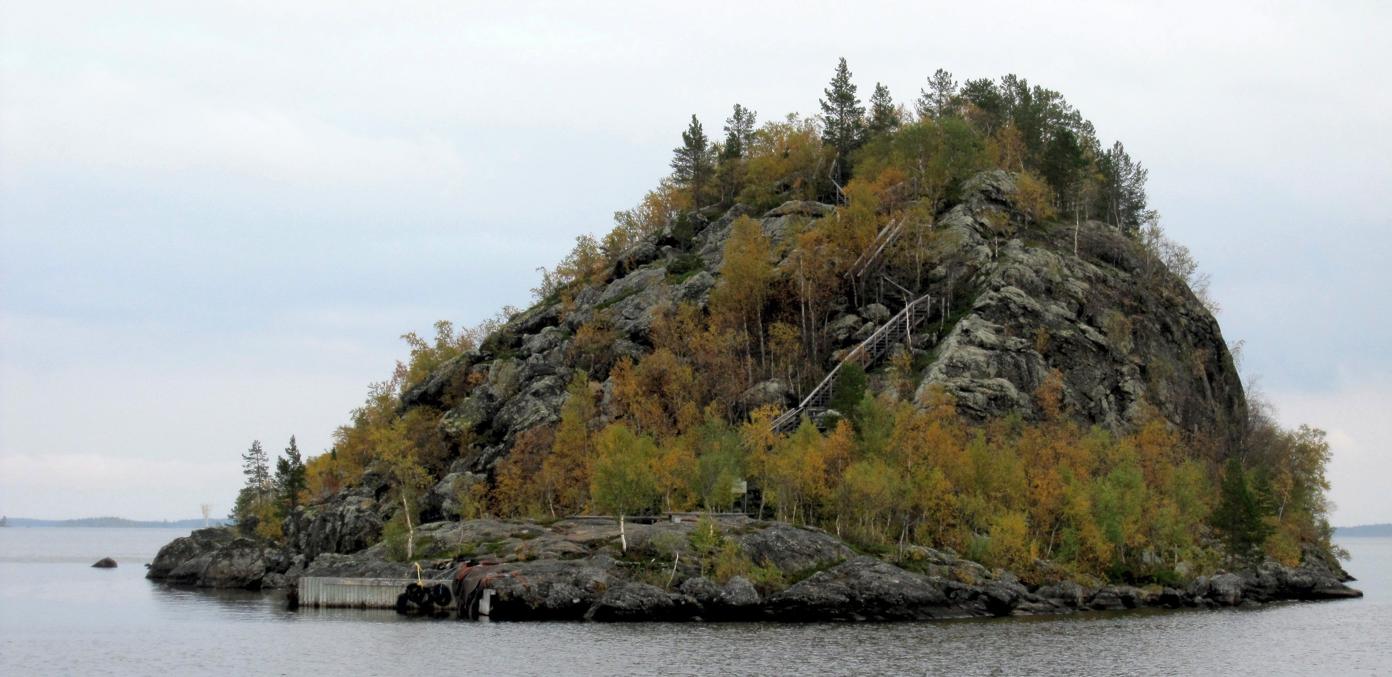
x: 215, y: 223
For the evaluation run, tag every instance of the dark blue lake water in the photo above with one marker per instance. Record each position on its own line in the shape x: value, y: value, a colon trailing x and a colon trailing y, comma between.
x: 59, y: 616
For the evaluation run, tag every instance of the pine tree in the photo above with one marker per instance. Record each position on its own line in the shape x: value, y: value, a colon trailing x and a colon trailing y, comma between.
x: 256, y: 468
x: 739, y: 133
x: 290, y: 476
x: 843, y: 119
x: 938, y: 98
x: 1238, y: 516
x: 884, y: 116
x: 1122, y: 198
x: 739, y: 138
x: 691, y: 161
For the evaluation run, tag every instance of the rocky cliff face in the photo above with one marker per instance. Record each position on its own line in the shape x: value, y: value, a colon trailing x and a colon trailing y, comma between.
x: 1127, y: 337
x: 1124, y: 334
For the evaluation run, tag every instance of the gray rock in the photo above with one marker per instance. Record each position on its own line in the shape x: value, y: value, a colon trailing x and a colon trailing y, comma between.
x: 357, y: 565
x: 347, y: 523
x: 739, y: 592
x: 773, y: 391
x: 239, y: 564
x: 544, y: 340
x: 538, y: 404
x: 793, y: 549
x: 876, y: 313
x: 176, y: 553
x: 469, y: 415
x: 504, y: 378
x: 866, y: 588
x: 1066, y: 594
x: 105, y: 563
x: 1113, y: 597
x: 432, y: 391
x: 801, y: 208
x: 695, y: 289
x: 641, y: 602
x: 445, y: 494
x: 641, y: 253
x: 535, y: 319
x: 865, y: 331
x: 550, y: 589
x: 842, y: 328
x: 1225, y: 589
x: 701, y: 589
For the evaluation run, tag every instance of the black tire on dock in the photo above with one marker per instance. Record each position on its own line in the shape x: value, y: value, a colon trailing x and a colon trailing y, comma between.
x: 403, y: 605
x: 440, y: 595
x: 417, y: 594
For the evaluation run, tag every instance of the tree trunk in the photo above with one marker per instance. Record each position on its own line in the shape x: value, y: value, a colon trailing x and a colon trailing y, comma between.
x: 410, y: 530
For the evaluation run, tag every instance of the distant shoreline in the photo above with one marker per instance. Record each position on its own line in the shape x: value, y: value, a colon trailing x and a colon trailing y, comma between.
x: 108, y: 522
x: 1364, y: 531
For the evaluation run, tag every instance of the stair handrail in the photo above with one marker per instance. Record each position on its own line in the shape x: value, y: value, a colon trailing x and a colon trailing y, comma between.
x: 861, y: 349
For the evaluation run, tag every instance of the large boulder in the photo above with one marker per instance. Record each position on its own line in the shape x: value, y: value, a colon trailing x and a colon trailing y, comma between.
x: 200, y: 543
x: 347, y: 523
x: 801, y: 208
x: 358, y: 565
x: 550, y: 589
x: 1224, y: 589
x: 773, y: 391
x: 239, y: 564
x: 1311, y: 580
x: 217, y: 557
x: 792, y: 549
x: 641, y: 602
x: 843, y: 328
x: 866, y: 588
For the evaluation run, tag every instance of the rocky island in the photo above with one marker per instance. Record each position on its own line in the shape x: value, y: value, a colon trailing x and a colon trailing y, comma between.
x: 869, y: 366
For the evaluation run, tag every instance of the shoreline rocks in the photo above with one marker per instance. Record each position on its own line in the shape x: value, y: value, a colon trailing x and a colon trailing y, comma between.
x: 573, y: 569
x: 105, y: 563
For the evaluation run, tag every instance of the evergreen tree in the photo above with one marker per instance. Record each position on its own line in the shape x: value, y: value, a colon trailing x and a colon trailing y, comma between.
x: 691, y: 161
x: 290, y: 476
x: 1063, y: 165
x: 1238, y: 516
x: 739, y: 138
x: 255, y: 494
x: 884, y: 116
x: 257, y: 469
x: 739, y: 133
x: 1122, y: 195
x: 988, y: 108
x: 938, y: 98
x: 843, y: 119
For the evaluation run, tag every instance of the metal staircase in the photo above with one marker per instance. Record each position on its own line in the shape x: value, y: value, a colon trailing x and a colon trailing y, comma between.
x: 899, y: 329
x: 871, y: 255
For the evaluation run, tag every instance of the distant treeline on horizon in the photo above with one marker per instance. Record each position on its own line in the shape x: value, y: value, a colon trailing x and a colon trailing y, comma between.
x: 1364, y: 530
x: 112, y: 522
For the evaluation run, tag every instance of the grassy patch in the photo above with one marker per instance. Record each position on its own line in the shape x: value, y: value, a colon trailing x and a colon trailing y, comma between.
x: 683, y: 267
x: 617, y: 299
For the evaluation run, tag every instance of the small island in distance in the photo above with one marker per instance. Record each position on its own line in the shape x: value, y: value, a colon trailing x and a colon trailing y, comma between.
x: 108, y: 522
x: 1365, y: 531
